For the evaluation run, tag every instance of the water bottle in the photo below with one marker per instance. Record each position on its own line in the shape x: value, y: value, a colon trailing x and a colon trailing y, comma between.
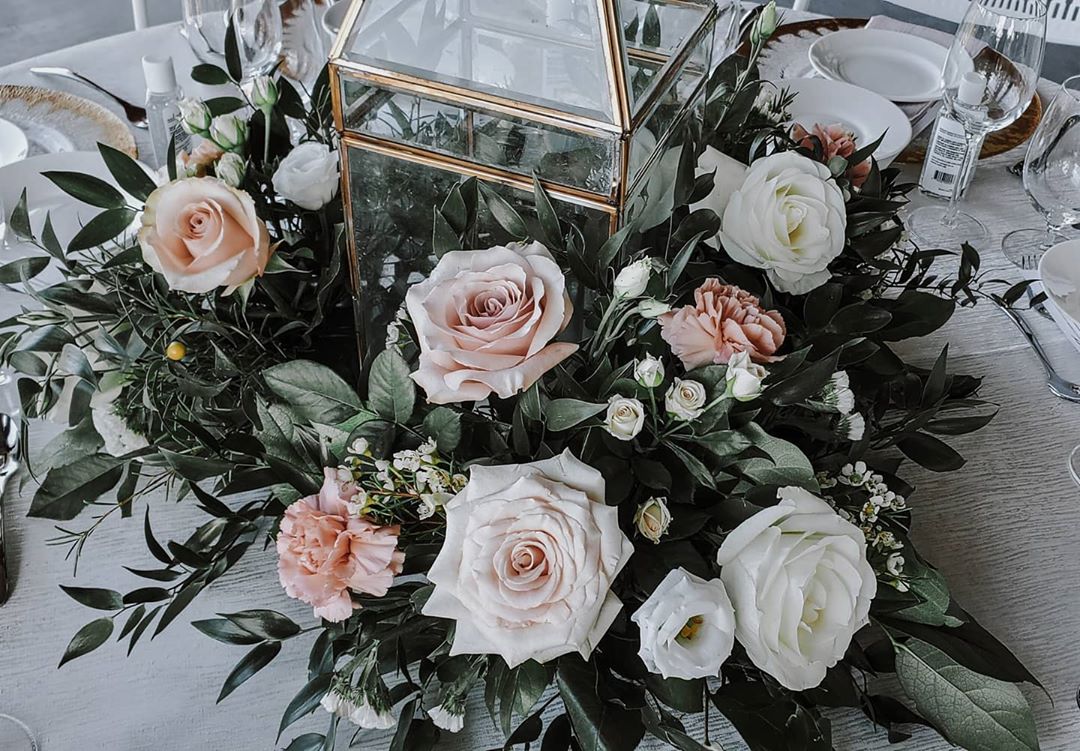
x: 948, y: 145
x: 163, y: 97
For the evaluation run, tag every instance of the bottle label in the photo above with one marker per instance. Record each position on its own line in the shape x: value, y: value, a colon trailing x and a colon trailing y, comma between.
x: 944, y: 158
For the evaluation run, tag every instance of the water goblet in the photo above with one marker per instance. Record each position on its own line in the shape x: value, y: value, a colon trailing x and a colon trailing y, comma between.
x: 16, y: 735
x: 257, y: 24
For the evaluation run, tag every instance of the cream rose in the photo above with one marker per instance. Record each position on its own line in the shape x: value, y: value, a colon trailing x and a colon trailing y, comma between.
x: 308, y: 176
x: 685, y: 399
x: 201, y: 234
x: 801, y: 585
x: 485, y: 321
x: 649, y: 371
x: 530, y: 554
x: 625, y: 417
x: 687, y: 627
x: 652, y: 519
x: 744, y: 377
x: 788, y: 218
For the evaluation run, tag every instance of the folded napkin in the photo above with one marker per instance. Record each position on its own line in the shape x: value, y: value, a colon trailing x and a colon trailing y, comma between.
x: 920, y: 114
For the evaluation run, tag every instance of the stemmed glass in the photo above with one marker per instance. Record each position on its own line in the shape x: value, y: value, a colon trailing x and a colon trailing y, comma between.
x: 258, y: 32
x: 990, y: 77
x: 1051, y: 178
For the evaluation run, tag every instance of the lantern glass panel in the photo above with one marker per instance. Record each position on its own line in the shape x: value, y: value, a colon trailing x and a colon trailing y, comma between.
x: 654, y: 33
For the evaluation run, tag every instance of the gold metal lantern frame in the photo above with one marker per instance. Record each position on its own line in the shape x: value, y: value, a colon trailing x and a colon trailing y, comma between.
x: 587, y: 96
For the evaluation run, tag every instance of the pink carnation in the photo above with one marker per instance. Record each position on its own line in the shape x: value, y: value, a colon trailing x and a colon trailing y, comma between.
x: 323, y: 552
x: 836, y: 140
x: 724, y: 321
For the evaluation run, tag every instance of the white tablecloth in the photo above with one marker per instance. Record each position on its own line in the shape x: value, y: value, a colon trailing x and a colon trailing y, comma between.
x: 1003, y: 530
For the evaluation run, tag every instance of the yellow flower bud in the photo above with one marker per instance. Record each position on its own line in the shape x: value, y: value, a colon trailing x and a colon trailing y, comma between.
x: 175, y: 351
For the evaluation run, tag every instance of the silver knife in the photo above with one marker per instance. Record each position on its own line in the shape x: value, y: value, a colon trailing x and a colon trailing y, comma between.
x: 9, y: 450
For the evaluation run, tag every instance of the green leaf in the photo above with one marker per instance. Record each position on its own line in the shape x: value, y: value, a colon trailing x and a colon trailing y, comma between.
x: 19, y: 221
x: 151, y: 542
x: 683, y: 257
x: 314, y: 391
x: 232, y: 52
x: 505, y: 214
x: 679, y: 694
x: 88, y: 189
x: 99, y: 599
x: 520, y: 689
x: 23, y: 269
x: 444, y: 425
x: 613, y: 246
x: 771, y: 722
x: 305, y: 700
x: 695, y: 466
x: 307, y: 742
x: 805, y: 383
x: 195, y: 468
x: 930, y: 452
x: 132, y: 621
x: 267, y: 624
x: 211, y: 75
x: 443, y: 237
x: 563, y: 414
x: 224, y: 630
x: 929, y: 586
x: 87, y: 639
x: 146, y: 594
x: 650, y: 30
x: 68, y: 489
x: 127, y: 172
x: 550, y: 229
x: 970, y: 710
x: 254, y: 661
x: 391, y: 391
x: 788, y: 465
x: 598, y: 725
x: 49, y: 239
x: 223, y: 105
x: 180, y: 601
x: 102, y: 228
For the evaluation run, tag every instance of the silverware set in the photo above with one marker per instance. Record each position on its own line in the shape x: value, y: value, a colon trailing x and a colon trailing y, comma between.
x: 135, y: 114
x: 9, y: 463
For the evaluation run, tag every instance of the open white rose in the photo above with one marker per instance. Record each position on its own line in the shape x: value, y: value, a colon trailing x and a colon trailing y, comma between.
x: 530, y: 554
x: 788, y: 218
x: 801, y: 585
x: 729, y: 176
x: 485, y: 321
x: 687, y: 627
x: 625, y: 417
x: 744, y: 377
x: 685, y: 399
x: 308, y: 176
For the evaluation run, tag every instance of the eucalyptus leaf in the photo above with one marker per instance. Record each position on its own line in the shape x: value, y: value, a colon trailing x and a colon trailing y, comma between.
x: 391, y: 391
x: 99, y: 599
x: 313, y: 390
x: 87, y: 639
x: 444, y: 425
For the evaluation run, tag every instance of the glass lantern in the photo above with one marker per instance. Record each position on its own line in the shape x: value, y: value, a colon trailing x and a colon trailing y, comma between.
x: 588, y: 96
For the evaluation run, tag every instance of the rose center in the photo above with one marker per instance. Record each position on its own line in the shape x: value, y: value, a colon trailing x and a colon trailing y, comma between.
x: 690, y: 628
x: 527, y: 557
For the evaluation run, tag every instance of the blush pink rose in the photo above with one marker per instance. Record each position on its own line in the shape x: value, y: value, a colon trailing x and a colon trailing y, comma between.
x: 324, y: 553
x: 201, y: 234
x: 201, y: 158
x: 835, y: 140
x: 724, y: 321
x: 485, y: 321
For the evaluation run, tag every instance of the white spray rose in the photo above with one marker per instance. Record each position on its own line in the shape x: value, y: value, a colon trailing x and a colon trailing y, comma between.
x: 649, y: 372
x: 744, y: 377
x: 652, y: 519
x: 229, y: 132
x: 803, y: 209
x: 264, y: 92
x: 195, y: 117
x: 634, y: 278
x: 231, y: 169
x: 685, y: 399
x: 799, y: 579
x: 625, y: 417
x: 530, y: 554
x: 687, y: 627
x: 308, y: 176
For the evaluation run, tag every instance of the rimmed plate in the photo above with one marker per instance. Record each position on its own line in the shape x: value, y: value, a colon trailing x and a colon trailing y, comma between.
x: 900, y: 67
x: 866, y: 114
x: 55, y: 121
x: 13, y: 143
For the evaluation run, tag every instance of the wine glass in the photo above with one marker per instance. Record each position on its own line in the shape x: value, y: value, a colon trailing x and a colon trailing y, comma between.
x: 1051, y: 178
x: 258, y: 32
x: 989, y: 77
x: 1074, y: 466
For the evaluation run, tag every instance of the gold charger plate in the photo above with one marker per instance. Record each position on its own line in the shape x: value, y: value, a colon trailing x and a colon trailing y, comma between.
x: 784, y: 56
x: 55, y: 121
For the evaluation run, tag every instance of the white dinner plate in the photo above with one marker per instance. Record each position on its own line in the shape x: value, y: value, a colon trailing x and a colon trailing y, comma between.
x: 55, y: 121
x: 13, y: 143
x: 819, y: 101
x: 901, y: 67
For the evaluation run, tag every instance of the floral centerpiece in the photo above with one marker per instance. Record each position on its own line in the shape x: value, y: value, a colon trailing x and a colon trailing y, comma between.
x: 647, y: 477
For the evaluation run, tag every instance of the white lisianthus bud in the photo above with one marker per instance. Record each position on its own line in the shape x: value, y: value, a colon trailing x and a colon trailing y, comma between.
x: 264, y: 93
x: 651, y: 308
x: 744, y: 377
x: 634, y: 278
x: 445, y: 718
x: 195, y: 117
x: 652, y: 519
x: 308, y: 176
x: 765, y: 24
x: 649, y: 372
x: 685, y: 400
x: 625, y: 417
x: 231, y: 169
x: 229, y: 132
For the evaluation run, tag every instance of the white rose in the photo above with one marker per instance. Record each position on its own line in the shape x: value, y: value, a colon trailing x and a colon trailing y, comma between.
x: 229, y: 132
x: 264, y: 92
x: 308, y: 176
x: 231, y: 169
x: 729, y: 177
x: 788, y: 218
x: 625, y: 417
x: 530, y: 554
x: 687, y: 627
x: 634, y: 278
x: 649, y: 372
x: 652, y: 519
x: 743, y: 377
x: 801, y: 585
x: 685, y: 400
x: 195, y: 117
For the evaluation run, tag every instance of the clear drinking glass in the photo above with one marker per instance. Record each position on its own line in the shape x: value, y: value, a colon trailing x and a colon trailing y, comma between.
x: 258, y: 32
x: 1051, y: 178
x: 990, y: 77
x: 15, y: 735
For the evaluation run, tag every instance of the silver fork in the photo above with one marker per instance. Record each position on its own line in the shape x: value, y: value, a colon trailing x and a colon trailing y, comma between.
x: 1058, y: 386
x: 135, y: 114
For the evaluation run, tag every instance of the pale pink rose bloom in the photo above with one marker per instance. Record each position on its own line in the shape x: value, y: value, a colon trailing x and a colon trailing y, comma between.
x: 530, y: 554
x: 836, y: 140
x: 323, y: 552
x: 201, y: 158
x: 723, y: 321
x: 485, y: 321
x: 201, y: 234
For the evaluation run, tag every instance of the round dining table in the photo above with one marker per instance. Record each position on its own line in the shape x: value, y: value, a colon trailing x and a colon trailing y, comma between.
x: 1004, y: 530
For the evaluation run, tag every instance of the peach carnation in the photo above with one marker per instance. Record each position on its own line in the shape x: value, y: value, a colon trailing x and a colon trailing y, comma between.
x: 724, y: 320
x: 836, y: 140
x: 324, y: 552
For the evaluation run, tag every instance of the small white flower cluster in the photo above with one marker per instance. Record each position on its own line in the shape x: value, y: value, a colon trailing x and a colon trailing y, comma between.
x: 393, y: 329
x: 448, y: 716
x: 352, y: 704
x: 420, y: 472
